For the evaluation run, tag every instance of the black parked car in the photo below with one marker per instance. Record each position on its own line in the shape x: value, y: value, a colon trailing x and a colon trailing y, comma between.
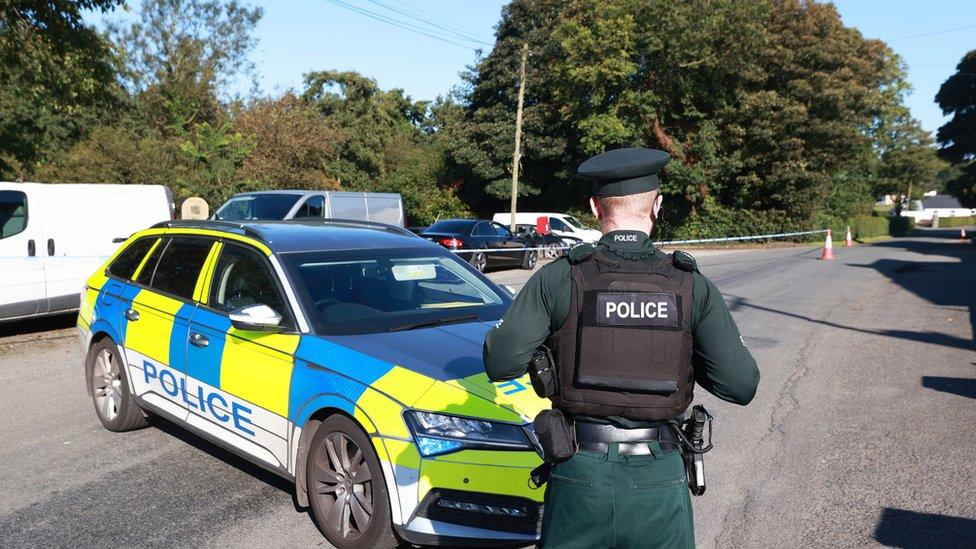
x: 554, y: 245
x: 503, y: 247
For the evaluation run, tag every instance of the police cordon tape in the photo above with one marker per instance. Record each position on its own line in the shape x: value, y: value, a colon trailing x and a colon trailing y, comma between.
x: 553, y: 248
x: 658, y: 243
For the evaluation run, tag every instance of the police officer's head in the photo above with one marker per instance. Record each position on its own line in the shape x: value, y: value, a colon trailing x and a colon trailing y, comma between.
x: 625, y: 187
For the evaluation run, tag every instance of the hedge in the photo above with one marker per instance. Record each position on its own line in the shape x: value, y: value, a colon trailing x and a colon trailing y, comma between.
x: 870, y: 226
x: 900, y: 226
x: 946, y: 222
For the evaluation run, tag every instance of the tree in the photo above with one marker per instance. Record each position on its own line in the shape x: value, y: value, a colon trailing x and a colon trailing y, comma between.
x: 957, y: 138
x: 294, y: 145
x: 764, y: 106
x: 124, y: 152
x: 183, y: 55
x: 57, y: 77
x: 214, y: 155
x: 389, y: 142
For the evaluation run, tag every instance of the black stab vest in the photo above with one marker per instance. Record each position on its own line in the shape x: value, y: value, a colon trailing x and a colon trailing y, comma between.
x: 625, y: 349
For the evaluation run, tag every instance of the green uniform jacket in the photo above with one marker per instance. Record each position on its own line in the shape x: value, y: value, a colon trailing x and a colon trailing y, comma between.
x: 723, y: 365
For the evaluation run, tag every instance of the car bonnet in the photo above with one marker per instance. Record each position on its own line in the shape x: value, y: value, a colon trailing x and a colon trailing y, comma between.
x: 451, y: 356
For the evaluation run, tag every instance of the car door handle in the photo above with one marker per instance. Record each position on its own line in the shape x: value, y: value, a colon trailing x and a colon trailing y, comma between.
x: 31, y: 248
x: 132, y: 314
x: 199, y: 340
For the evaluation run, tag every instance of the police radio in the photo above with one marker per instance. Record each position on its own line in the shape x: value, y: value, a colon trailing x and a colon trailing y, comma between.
x: 542, y: 373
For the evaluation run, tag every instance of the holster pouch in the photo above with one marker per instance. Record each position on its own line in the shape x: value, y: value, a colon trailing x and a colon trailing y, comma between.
x: 542, y: 372
x: 555, y: 435
x: 694, y: 448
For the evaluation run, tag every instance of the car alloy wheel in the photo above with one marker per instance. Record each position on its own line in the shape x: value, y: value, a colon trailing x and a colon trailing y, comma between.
x: 480, y: 261
x: 553, y: 250
x: 346, y: 488
x: 107, y: 385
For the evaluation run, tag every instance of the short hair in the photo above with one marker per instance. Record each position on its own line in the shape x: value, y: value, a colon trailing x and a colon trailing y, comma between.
x: 627, y: 207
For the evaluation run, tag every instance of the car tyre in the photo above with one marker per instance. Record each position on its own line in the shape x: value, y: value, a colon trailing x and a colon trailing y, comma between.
x: 108, y: 383
x: 479, y: 261
x: 529, y: 259
x: 346, y: 487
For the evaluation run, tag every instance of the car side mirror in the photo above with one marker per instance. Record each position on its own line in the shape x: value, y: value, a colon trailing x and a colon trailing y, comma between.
x: 257, y: 318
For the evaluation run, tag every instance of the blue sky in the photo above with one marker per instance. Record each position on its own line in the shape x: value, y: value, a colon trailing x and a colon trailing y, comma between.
x: 297, y: 36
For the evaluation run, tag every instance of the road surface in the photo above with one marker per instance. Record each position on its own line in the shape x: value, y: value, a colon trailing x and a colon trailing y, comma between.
x: 862, y: 432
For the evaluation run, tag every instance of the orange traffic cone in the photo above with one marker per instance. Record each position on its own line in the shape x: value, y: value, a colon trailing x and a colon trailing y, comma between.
x: 962, y: 233
x: 828, y: 249
x: 848, y: 241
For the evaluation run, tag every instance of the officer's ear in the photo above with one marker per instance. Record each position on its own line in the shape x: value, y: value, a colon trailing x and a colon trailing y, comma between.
x: 595, y: 208
x: 658, y: 200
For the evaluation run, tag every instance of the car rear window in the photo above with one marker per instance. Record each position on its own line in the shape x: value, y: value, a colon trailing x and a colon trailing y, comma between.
x: 257, y: 206
x: 450, y: 226
x: 127, y: 262
x: 178, y: 267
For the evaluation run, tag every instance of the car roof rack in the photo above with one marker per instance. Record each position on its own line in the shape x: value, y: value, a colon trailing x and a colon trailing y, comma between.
x: 212, y: 224
x: 353, y: 223
x: 248, y: 230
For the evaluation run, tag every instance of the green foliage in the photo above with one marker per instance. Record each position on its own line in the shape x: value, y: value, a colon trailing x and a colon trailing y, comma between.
x: 867, y: 226
x: 901, y: 226
x: 957, y: 140
x: 293, y: 145
x: 949, y: 222
x: 389, y: 142
x: 180, y: 53
x: 122, y: 153
x: 57, y: 78
x: 214, y: 154
x: 776, y: 114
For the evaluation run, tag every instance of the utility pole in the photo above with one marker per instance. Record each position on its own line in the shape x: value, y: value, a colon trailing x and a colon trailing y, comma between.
x: 518, y: 133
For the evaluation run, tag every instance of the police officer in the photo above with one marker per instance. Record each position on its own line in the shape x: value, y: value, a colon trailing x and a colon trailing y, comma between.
x: 631, y: 330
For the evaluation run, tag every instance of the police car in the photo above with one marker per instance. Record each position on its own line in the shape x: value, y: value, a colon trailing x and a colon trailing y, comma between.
x: 345, y: 356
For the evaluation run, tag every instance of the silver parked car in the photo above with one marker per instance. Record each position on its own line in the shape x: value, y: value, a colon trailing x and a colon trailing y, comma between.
x: 277, y: 205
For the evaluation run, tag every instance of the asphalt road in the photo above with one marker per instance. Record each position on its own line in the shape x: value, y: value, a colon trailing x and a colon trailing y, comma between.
x: 862, y: 433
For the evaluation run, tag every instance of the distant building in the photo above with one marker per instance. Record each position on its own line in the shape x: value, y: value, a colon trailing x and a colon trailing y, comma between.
x: 931, y: 205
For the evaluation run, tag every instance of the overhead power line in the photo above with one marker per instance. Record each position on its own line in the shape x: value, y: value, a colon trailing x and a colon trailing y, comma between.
x: 449, y: 28
x: 933, y: 33
x: 400, y: 24
x: 436, y: 17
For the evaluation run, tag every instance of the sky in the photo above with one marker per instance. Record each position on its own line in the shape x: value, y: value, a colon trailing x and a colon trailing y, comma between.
x: 298, y: 36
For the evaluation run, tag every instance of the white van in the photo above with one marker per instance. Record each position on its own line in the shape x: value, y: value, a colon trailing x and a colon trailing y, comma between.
x: 380, y: 207
x: 560, y: 224
x: 52, y: 237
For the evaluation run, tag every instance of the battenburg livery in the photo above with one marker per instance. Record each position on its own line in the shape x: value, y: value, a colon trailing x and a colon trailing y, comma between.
x: 343, y: 355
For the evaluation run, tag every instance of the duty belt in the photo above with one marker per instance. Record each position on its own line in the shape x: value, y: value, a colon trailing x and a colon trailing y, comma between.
x: 597, y: 437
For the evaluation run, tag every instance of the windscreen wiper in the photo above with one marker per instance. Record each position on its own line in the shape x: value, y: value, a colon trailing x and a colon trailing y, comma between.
x: 434, y: 322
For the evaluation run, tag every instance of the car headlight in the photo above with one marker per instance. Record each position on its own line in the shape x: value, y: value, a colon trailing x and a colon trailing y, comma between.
x: 437, y: 434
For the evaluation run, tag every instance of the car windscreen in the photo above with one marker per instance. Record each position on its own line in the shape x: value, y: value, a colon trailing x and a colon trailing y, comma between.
x: 382, y: 291
x: 257, y: 206
x: 450, y: 226
x: 575, y: 222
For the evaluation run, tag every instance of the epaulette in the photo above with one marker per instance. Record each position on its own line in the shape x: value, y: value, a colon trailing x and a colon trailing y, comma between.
x: 684, y: 261
x: 580, y: 252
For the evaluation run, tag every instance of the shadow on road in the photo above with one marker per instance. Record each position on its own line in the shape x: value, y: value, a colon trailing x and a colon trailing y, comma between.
x: 227, y: 457
x: 940, y: 281
x: 955, y: 385
x: 35, y: 325
x: 912, y: 530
